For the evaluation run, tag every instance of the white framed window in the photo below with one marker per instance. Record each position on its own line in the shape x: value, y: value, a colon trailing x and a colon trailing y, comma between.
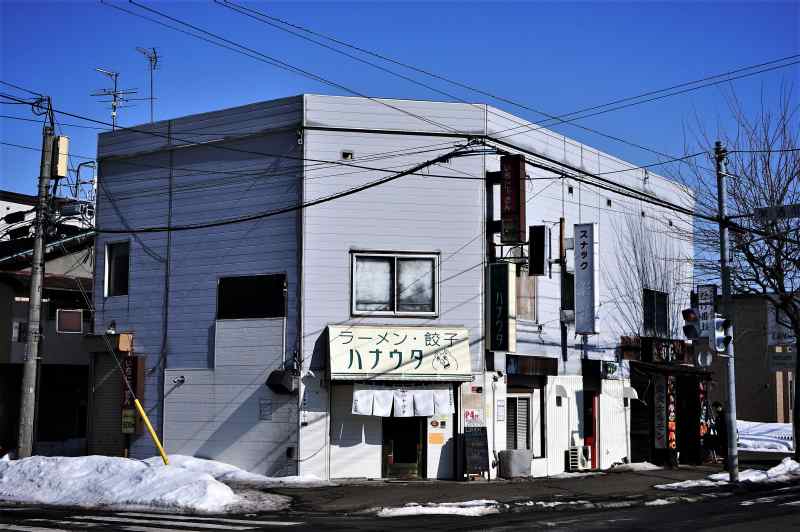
x: 525, y: 422
x: 394, y: 284
x: 117, y: 268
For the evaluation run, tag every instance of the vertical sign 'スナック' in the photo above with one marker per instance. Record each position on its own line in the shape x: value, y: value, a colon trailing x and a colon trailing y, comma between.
x: 585, y: 278
x: 512, y: 199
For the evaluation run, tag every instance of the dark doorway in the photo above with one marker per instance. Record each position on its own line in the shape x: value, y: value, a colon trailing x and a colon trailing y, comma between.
x: 404, y: 447
x: 590, y: 411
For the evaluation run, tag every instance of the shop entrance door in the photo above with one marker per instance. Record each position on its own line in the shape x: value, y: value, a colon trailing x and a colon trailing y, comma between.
x: 404, y: 447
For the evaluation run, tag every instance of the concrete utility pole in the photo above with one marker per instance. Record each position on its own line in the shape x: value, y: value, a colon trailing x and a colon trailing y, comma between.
x: 562, y: 261
x: 31, y: 363
x: 720, y: 155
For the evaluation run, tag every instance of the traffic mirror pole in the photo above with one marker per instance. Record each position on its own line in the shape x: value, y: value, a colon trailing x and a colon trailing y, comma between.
x: 720, y: 155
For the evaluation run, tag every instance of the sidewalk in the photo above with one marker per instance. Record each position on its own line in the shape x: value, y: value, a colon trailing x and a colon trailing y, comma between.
x: 361, y: 495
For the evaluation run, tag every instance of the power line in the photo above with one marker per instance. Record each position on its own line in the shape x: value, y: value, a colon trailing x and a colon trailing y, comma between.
x: 187, y: 143
x: 261, y: 16
x: 23, y: 89
x: 654, y: 98
x: 291, y: 208
x: 557, y: 171
x: 271, y: 60
x: 239, y: 48
x: 606, y: 184
x: 255, y: 14
x: 21, y: 146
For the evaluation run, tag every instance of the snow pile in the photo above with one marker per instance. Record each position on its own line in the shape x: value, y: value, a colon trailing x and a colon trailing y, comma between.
x: 464, y: 509
x: 109, y: 482
x: 231, y: 474
x: 576, y: 474
x: 635, y: 467
x: 553, y: 504
x: 756, y: 436
x: 659, y: 502
x: 787, y: 471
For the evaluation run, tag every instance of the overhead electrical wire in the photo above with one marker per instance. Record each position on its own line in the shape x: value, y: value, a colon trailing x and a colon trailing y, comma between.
x: 255, y: 14
x: 272, y: 59
x: 561, y: 119
x: 23, y: 89
x: 655, y: 98
x: 291, y: 208
x: 558, y: 169
x: 282, y: 64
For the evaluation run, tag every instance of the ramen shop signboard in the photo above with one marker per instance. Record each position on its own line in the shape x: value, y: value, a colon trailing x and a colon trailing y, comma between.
x: 359, y: 352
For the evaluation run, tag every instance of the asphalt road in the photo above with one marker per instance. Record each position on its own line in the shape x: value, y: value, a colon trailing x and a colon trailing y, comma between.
x: 765, y: 510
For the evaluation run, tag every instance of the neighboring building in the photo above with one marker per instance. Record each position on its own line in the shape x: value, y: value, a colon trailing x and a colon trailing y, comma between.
x: 764, y: 363
x: 379, y: 299
x: 15, y: 202
x: 72, y: 217
x: 61, y: 412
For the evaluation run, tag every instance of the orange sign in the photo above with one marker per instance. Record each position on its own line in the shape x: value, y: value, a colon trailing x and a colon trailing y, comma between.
x: 436, y: 438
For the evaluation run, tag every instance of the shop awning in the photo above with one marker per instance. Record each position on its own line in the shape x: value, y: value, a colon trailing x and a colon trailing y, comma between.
x: 402, y: 401
x: 388, y: 353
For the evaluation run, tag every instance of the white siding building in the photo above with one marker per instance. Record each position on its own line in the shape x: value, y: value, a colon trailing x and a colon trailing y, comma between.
x: 351, y: 291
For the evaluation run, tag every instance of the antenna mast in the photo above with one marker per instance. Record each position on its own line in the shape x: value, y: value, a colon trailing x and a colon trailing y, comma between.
x: 152, y: 58
x: 116, y: 94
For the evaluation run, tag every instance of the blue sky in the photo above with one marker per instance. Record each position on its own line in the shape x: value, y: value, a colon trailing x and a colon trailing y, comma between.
x: 557, y: 57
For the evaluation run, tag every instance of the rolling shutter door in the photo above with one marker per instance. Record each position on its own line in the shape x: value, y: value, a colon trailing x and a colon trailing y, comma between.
x: 518, y: 423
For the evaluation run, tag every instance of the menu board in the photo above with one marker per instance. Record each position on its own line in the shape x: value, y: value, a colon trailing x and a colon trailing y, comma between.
x: 476, y: 449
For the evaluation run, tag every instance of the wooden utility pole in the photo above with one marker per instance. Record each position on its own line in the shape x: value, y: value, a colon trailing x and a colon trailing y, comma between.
x: 31, y: 362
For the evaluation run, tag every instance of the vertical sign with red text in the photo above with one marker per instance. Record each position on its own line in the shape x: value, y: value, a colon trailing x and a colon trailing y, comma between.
x: 130, y: 374
x: 512, y: 199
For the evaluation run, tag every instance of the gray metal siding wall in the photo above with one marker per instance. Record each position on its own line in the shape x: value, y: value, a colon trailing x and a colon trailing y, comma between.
x: 549, y: 200
x: 220, y: 183
x: 227, y: 413
x: 413, y: 213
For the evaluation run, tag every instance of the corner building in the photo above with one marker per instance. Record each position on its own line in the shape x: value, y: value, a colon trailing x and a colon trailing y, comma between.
x: 347, y: 338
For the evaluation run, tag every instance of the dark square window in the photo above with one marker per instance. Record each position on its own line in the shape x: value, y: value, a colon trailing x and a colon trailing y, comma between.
x: 656, y: 313
x: 252, y: 296
x: 117, y: 266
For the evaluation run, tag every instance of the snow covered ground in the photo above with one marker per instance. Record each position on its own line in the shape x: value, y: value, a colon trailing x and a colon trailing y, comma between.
x: 757, y: 436
x: 464, y: 509
x: 230, y: 474
x: 576, y: 474
x: 187, y: 485
x: 635, y: 467
x: 788, y: 470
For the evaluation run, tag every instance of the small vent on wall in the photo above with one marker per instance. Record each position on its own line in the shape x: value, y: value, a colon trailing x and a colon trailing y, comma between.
x: 348, y: 155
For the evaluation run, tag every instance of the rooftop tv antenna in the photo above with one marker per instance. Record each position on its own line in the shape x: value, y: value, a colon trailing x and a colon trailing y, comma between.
x: 116, y: 94
x: 152, y: 58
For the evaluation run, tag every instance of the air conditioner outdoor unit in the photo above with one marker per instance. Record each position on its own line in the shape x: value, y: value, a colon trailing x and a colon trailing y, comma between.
x: 580, y: 458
